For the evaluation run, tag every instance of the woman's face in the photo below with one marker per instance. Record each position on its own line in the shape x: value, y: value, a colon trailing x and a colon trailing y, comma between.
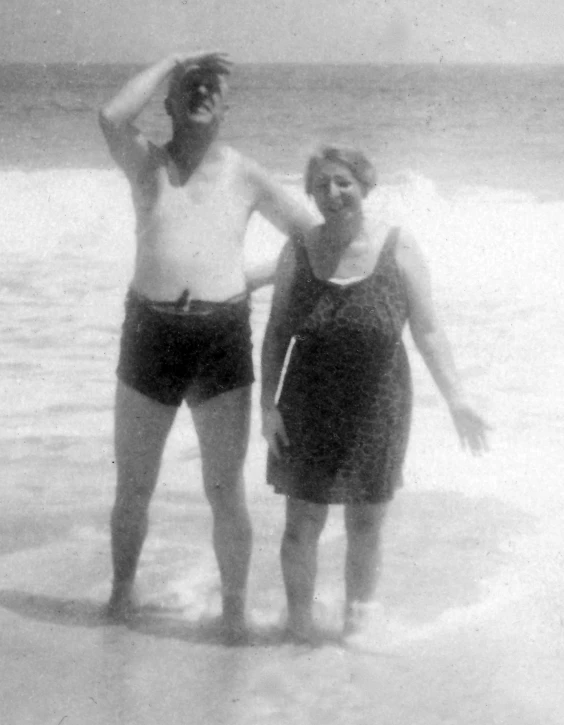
x: 336, y: 191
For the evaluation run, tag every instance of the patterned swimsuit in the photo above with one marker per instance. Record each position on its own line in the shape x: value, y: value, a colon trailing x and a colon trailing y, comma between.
x: 346, y: 396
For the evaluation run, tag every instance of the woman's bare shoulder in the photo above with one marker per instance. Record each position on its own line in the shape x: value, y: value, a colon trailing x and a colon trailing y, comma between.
x: 379, y: 232
x: 408, y: 250
x: 412, y: 263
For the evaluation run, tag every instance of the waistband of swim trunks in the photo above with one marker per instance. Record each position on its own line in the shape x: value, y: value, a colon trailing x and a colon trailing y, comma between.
x: 184, y: 306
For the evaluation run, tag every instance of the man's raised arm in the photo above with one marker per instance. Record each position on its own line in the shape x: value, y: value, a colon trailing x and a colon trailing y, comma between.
x: 275, y: 203
x: 127, y: 145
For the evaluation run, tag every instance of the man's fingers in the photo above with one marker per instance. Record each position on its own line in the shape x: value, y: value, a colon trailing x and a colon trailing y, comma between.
x: 217, y: 62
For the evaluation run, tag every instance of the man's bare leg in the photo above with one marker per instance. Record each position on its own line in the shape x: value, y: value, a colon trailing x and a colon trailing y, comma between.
x: 304, y: 524
x: 222, y: 424
x: 363, y: 523
x: 141, y: 429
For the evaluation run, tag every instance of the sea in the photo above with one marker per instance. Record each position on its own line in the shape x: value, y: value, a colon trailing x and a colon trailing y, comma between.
x: 471, y: 160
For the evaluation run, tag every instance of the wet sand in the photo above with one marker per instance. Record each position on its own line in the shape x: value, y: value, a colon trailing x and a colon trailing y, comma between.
x: 472, y: 590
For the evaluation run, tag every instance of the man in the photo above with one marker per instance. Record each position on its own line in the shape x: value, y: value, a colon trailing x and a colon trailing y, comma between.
x: 186, y: 334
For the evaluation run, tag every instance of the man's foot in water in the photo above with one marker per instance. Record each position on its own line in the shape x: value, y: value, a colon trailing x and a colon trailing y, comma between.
x: 122, y: 605
x: 234, y: 630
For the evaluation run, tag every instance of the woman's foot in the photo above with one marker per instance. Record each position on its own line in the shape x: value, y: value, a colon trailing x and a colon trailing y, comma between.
x: 361, y: 617
x: 300, y: 629
x: 369, y: 626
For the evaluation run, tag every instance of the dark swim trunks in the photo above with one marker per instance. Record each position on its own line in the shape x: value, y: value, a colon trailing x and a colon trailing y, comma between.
x: 175, y: 351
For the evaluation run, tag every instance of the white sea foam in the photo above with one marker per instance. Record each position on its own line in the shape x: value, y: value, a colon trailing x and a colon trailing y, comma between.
x: 503, y: 245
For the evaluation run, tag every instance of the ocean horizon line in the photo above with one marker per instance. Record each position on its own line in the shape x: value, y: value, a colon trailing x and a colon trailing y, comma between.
x: 294, y: 64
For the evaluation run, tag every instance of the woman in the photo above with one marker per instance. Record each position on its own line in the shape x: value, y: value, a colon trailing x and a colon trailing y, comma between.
x: 338, y: 431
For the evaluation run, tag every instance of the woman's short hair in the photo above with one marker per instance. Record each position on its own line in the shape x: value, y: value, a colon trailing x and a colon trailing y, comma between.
x: 355, y: 161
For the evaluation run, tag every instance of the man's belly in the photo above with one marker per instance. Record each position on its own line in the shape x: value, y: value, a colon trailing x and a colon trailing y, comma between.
x: 212, y: 273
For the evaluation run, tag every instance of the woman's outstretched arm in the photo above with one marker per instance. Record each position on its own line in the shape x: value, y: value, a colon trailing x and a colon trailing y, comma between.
x: 431, y: 341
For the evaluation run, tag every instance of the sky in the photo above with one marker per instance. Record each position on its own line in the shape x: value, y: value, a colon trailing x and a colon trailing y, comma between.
x: 305, y: 31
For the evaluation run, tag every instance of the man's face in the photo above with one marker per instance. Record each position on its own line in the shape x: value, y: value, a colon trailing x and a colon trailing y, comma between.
x: 198, y: 99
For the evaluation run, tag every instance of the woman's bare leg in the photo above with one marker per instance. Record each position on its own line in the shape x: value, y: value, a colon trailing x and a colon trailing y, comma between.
x: 363, y: 524
x: 304, y: 524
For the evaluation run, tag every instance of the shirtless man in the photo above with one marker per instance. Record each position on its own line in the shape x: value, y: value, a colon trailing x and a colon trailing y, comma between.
x: 186, y: 334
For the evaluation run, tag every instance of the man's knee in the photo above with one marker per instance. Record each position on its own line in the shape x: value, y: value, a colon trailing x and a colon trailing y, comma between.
x: 226, y: 495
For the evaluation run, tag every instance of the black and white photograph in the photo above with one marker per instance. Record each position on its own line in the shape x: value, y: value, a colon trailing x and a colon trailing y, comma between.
x: 282, y: 362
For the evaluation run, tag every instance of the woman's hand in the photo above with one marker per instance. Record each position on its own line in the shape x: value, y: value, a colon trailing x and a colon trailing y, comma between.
x: 273, y: 430
x: 470, y: 426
